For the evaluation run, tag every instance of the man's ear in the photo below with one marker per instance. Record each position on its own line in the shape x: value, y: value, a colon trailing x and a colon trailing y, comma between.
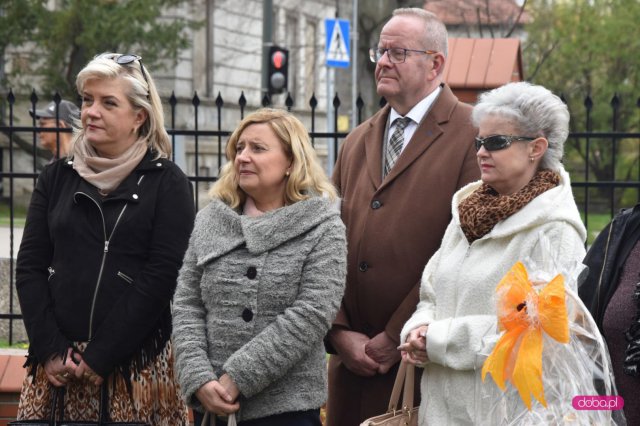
x: 438, y: 60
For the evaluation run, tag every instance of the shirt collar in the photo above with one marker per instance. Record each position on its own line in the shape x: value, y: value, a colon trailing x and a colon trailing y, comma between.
x: 417, y: 113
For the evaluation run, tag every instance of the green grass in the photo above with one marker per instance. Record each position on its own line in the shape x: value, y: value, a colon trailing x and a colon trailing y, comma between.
x: 596, y: 223
x: 4, y: 344
x: 19, y: 215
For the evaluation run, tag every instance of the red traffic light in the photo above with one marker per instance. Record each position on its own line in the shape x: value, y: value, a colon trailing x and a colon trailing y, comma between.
x: 278, y: 59
x: 277, y: 70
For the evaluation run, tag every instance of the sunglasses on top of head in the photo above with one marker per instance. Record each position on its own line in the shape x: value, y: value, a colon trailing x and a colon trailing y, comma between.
x: 498, y: 142
x: 126, y: 59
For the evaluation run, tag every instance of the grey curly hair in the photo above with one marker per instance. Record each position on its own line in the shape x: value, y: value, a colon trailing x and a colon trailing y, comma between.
x: 534, y: 110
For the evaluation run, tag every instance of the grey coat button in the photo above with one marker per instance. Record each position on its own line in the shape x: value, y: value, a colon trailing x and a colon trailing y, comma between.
x: 376, y: 205
x: 252, y: 272
x: 247, y: 315
x: 363, y: 266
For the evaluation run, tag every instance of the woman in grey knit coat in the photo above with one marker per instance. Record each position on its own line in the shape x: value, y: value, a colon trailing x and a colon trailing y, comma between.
x: 262, y: 280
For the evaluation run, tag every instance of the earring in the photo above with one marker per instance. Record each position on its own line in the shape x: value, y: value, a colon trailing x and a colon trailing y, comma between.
x: 286, y: 173
x: 532, y: 159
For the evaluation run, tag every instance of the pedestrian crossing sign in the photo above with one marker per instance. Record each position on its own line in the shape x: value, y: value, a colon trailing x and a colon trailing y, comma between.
x: 338, y: 49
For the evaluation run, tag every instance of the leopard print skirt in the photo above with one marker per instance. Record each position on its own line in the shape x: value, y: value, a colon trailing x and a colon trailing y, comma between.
x: 154, y: 398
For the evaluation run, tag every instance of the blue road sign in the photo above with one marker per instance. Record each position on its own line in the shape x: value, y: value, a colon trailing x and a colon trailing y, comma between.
x: 338, y: 49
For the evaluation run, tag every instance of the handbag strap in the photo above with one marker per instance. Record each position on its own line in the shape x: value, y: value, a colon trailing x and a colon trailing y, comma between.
x: 210, y: 419
x: 405, y: 376
x: 104, y: 404
x: 57, y: 405
x: 397, y: 386
x: 409, y: 383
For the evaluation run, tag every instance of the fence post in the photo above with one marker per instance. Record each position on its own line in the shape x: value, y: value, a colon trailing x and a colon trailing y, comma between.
x: 615, y: 106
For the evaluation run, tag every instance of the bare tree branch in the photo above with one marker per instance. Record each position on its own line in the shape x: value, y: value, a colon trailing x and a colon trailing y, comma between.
x: 544, y: 57
x: 479, y: 21
x: 515, y: 23
x: 486, y: 4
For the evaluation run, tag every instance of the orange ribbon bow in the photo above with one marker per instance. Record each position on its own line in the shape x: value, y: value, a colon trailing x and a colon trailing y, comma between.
x: 524, y: 313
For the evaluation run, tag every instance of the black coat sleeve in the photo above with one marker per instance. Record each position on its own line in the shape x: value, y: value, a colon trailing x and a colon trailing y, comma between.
x: 605, y: 260
x: 34, y: 259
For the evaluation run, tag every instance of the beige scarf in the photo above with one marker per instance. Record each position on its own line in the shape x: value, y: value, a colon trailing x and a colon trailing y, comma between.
x: 106, y: 173
x: 481, y: 210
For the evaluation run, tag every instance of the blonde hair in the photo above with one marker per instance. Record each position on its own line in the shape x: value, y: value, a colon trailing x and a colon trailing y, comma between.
x: 142, y: 94
x: 306, y: 178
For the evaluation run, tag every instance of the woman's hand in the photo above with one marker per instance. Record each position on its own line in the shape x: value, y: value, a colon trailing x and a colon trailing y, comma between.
x: 60, y: 370
x: 230, y: 386
x: 414, y: 350
x: 217, y: 397
x: 84, y: 372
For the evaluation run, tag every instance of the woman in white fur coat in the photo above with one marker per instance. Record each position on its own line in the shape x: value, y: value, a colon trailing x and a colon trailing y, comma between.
x: 524, y: 192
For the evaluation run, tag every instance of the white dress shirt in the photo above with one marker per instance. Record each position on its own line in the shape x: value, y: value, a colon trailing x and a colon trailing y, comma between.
x: 416, y: 115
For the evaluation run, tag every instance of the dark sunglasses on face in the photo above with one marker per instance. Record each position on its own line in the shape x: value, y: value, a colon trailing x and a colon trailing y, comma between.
x: 498, y: 142
x: 126, y: 59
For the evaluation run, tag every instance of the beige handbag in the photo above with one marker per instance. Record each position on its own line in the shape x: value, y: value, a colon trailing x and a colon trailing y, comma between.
x: 210, y: 420
x: 407, y: 415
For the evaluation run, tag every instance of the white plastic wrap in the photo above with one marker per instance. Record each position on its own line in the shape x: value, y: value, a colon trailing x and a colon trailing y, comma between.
x: 579, y: 367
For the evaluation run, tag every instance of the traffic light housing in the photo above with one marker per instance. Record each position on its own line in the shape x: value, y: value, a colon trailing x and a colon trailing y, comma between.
x: 278, y: 70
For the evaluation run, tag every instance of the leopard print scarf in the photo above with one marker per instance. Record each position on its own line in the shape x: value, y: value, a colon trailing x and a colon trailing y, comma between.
x: 481, y: 210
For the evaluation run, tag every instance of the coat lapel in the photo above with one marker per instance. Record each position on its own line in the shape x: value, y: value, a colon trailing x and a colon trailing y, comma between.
x: 425, y: 135
x: 373, y: 145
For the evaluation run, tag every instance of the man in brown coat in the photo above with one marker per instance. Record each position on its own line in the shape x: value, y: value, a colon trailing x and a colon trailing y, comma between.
x: 395, y: 211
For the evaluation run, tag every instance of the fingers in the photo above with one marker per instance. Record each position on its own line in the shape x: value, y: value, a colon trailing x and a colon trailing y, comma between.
x: 224, y: 409
x: 362, y: 366
x: 92, y: 377
x: 404, y: 347
x: 56, y: 371
x: 384, y: 368
x: 416, y: 340
x: 55, y: 380
x: 413, y: 361
x: 222, y: 392
x: 230, y: 387
x: 83, y: 372
x: 95, y: 380
x: 61, y: 370
x: 216, y: 399
x: 418, y: 358
x: 368, y: 366
x: 76, y: 357
x: 418, y: 332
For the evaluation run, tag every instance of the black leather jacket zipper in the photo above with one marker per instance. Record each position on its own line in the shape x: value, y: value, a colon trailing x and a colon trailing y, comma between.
x: 104, y: 256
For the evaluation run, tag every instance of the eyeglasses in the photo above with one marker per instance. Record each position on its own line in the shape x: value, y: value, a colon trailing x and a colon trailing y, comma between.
x: 126, y: 59
x: 396, y: 55
x: 498, y: 142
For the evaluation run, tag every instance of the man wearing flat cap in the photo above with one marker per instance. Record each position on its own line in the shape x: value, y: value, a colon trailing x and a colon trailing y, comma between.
x: 55, y: 141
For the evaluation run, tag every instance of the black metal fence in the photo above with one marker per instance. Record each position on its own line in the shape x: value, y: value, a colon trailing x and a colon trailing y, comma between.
x: 604, y: 164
